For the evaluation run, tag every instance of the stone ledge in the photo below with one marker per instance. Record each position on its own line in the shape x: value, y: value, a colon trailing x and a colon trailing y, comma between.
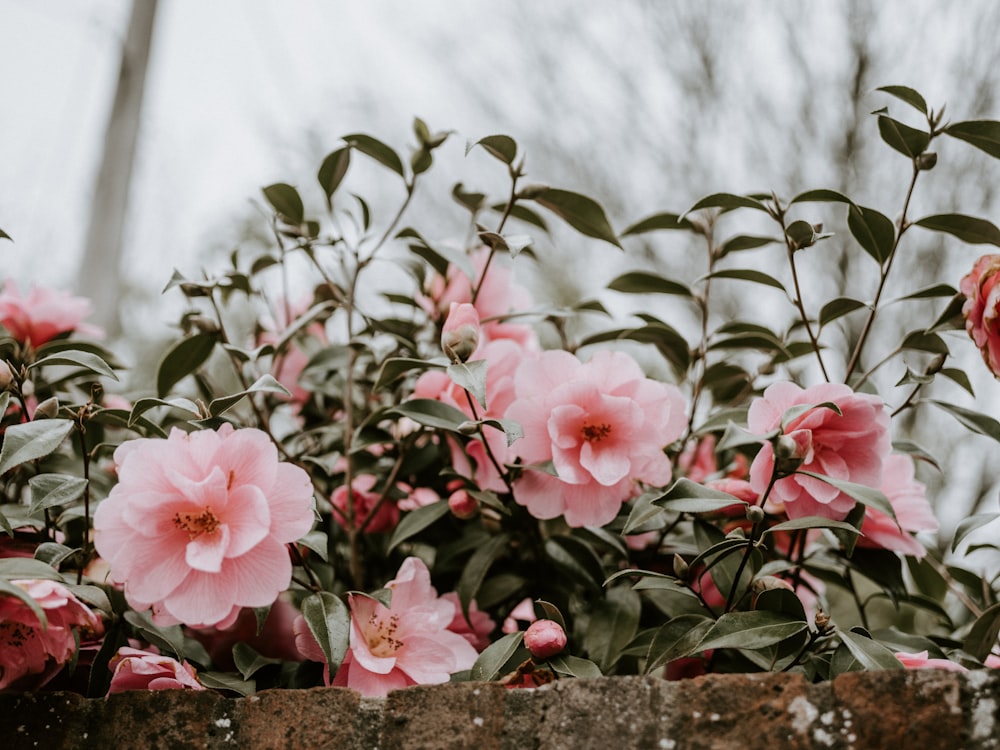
x: 930, y: 709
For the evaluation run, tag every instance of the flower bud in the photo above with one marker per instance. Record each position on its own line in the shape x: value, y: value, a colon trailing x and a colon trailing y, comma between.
x: 926, y: 160
x: 681, y: 568
x: 47, y: 409
x: 460, y: 334
x: 822, y: 621
x: 544, y: 638
x: 462, y: 504
x: 6, y: 376
x: 755, y: 514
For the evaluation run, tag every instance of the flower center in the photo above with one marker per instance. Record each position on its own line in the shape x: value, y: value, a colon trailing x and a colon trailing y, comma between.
x: 595, y: 433
x: 381, y: 636
x: 196, y: 524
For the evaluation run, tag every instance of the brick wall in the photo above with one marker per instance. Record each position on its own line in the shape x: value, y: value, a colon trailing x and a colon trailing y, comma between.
x: 926, y: 709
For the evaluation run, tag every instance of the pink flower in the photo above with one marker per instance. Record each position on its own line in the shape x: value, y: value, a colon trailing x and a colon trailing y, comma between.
x: 913, y: 512
x: 498, y: 297
x: 408, y: 643
x: 42, y: 314
x: 476, y: 630
x: 460, y: 334
x: 523, y: 612
x: 31, y: 653
x: 197, y: 525
x: 462, y: 504
x: 602, y: 424
x: 544, y: 638
x: 365, y: 500
x: 920, y: 661
x: 850, y: 446
x: 981, y: 308
x: 141, y: 670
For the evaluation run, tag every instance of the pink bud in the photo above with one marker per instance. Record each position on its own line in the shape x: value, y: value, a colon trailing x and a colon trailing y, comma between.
x: 462, y: 504
x: 5, y: 375
x: 460, y: 334
x: 544, y: 638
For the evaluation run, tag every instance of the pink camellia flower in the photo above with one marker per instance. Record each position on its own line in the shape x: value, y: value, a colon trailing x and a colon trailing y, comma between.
x: 913, y: 512
x: 849, y: 446
x: 197, y: 525
x: 408, y: 643
x: 981, y: 308
x: 920, y: 660
x: 602, y: 424
x: 460, y: 334
x: 476, y: 630
x: 135, y: 669
x: 42, y: 314
x: 386, y: 514
x: 31, y: 653
x: 544, y: 638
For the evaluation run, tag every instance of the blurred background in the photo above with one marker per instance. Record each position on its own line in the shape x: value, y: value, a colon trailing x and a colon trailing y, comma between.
x: 645, y: 105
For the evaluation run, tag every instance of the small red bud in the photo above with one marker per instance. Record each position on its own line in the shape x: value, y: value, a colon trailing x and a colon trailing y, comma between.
x: 544, y: 638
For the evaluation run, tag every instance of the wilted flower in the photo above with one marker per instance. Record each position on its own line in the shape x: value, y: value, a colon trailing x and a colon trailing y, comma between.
x: 407, y: 643
x: 982, y: 305
x: 602, y: 424
x: 31, y: 653
x: 850, y: 446
x: 135, y: 669
x: 42, y: 314
x: 197, y: 525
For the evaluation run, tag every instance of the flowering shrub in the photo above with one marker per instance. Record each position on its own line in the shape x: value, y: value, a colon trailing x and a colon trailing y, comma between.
x: 423, y: 474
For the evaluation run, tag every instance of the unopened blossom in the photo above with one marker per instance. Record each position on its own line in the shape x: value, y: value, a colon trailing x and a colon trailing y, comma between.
x: 920, y: 660
x: 544, y: 638
x: 601, y: 423
x: 909, y: 502
x: 982, y: 307
x: 407, y: 643
x: 366, y: 502
x: 462, y: 504
x: 42, y: 314
x: 850, y: 446
x: 135, y: 669
x: 31, y: 653
x: 198, y: 524
x: 460, y: 334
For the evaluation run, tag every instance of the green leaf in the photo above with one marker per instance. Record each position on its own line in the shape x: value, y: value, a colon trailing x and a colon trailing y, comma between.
x: 677, y: 638
x: 503, y: 147
x: 512, y: 430
x: 332, y: 171
x: 431, y: 413
x: 493, y: 658
x: 54, y: 554
x: 750, y: 630
x: 657, y: 222
x: 744, y: 242
x: 472, y: 377
x: 264, y: 384
x: 227, y: 681
x: 248, y: 661
x: 5, y: 236
x: 904, y: 139
x: 924, y: 341
x: 982, y: 636
x: 416, y: 521
x: 967, y: 228
x: 747, y: 274
x: 86, y: 360
x: 522, y: 213
x: 983, y: 134
x: 286, y: 201
x: 186, y: 356
x: 867, y: 496
x: 32, y: 440
x: 329, y: 621
x: 837, y: 308
x: 972, y: 420
x: 727, y: 202
x: 573, y: 666
x: 908, y: 95
x: 821, y: 196
x: 870, y: 654
x: 577, y: 559
x: 643, y: 282
x: 875, y: 232
x: 644, y: 515
x: 584, y: 214
x: 936, y: 290
x: 613, y: 623
x: 377, y: 150
x: 686, y: 496
x: 143, y: 405
x: 475, y: 570
x: 396, y: 367
x: 812, y: 522
x: 970, y: 524
x: 51, y: 490
x: 318, y: 542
